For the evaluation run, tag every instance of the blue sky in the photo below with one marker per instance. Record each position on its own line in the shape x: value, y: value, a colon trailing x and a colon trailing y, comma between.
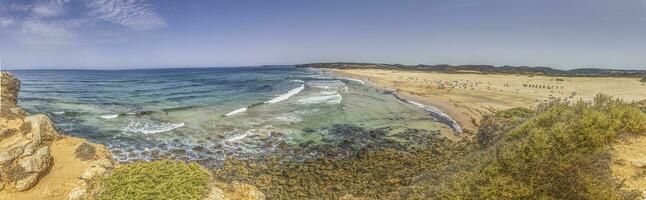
x: 114, y: 34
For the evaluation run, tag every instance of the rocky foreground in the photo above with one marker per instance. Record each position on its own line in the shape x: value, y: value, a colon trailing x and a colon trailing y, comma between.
x: 37, y: 162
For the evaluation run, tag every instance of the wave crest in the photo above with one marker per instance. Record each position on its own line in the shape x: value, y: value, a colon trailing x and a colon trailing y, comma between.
x: 110, y: 116
x: 239, y: 110
x: 329, y: 99
x: 286, y: 96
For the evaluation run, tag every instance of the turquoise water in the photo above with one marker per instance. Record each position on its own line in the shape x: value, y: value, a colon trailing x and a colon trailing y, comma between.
x: 209, y: 114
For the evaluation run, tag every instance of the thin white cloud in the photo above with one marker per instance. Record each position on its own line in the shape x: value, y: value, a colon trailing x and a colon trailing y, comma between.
x: 49, y: 8
x: 67, y: 21
x: 51, y: 29
x: 6, y: 22
x: 134, y: 14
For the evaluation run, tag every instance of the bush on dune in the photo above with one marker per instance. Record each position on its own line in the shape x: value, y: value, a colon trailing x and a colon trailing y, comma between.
x: 561, y: 153
x: 157, y: 180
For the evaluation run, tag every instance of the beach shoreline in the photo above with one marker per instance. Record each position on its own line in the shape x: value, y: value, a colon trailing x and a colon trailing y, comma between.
x: 463, y: 121
x: 468, y: 97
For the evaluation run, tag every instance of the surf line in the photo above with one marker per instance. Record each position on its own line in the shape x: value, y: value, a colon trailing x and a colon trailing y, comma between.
x: 277, y: 99
x: 435, y: 112
x: 286, y: 96
x: 239, y: 110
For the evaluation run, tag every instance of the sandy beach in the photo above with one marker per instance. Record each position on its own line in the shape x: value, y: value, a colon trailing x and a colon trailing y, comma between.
x: 467, y: 97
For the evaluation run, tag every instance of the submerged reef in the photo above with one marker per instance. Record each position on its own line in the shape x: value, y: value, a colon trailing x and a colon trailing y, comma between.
x: 377, y: 171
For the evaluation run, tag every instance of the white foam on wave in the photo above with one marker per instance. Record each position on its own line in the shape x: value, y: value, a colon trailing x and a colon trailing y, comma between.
x: 344, y: 89
x: 237, y: 137
x: 298, y: 81
x: 110, y: 116
x: 326, y: 84
x: 59, y: 113
x: 151, y: 127
x: 329, y: 99
x: 286, y: 96
x: 239, y: 110
x: 355, y: 80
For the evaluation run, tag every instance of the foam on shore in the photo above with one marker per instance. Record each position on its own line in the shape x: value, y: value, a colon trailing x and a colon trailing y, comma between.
x: 441, y: 116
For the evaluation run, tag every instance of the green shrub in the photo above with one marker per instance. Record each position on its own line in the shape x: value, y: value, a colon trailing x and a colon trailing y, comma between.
x: 156, y: 181
x: 561, y: 153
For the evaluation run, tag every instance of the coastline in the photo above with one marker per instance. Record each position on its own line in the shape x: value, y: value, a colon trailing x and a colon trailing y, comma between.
x: 439, y: 114
x: 468, y: 97
x: 439, y: 109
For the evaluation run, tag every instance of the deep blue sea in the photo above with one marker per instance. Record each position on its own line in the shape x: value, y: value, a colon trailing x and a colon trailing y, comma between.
x: 207, y: 114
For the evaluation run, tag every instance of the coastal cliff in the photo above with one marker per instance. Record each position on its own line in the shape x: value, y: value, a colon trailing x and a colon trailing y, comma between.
x: 36, y: 161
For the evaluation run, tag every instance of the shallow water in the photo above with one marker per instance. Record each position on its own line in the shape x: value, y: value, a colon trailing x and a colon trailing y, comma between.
x: 208, y: 114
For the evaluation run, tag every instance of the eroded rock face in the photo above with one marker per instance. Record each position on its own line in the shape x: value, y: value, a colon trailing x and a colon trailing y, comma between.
x: 9, y: 90
x: 9, y: 87
x: 25, y: 156
x: 24, y: 143
x: 29, y: 145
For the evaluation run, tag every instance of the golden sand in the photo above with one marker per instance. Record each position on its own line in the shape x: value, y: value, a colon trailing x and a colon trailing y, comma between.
x: 468, y: 96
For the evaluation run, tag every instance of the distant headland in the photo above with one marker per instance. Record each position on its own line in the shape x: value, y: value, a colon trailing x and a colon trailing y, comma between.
x: 490, y: 69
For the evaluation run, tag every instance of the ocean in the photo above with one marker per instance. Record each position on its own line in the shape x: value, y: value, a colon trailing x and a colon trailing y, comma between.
x: 209, y: 114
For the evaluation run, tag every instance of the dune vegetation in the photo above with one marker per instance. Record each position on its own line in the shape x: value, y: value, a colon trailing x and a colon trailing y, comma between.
x: 560, y: 153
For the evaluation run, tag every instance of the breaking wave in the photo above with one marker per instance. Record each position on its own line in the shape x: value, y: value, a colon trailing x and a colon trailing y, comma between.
x: 329, y: 99
x: 239, y: 110
x: 286, y: 96
x: 110, y: 116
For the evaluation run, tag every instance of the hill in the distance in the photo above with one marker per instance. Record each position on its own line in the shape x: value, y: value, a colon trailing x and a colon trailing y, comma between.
x: 485, y: 69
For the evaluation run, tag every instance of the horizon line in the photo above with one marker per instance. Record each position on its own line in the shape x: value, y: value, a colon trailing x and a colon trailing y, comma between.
x: 285, y: 65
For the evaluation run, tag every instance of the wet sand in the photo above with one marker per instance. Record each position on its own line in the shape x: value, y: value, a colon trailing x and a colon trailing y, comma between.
x: 467, y: 97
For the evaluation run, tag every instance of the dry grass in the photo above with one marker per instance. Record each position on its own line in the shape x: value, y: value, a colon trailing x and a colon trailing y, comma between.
x: 85, y: 151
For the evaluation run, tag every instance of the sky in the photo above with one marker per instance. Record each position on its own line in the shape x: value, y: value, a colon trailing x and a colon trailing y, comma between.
x: 125, y: 34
